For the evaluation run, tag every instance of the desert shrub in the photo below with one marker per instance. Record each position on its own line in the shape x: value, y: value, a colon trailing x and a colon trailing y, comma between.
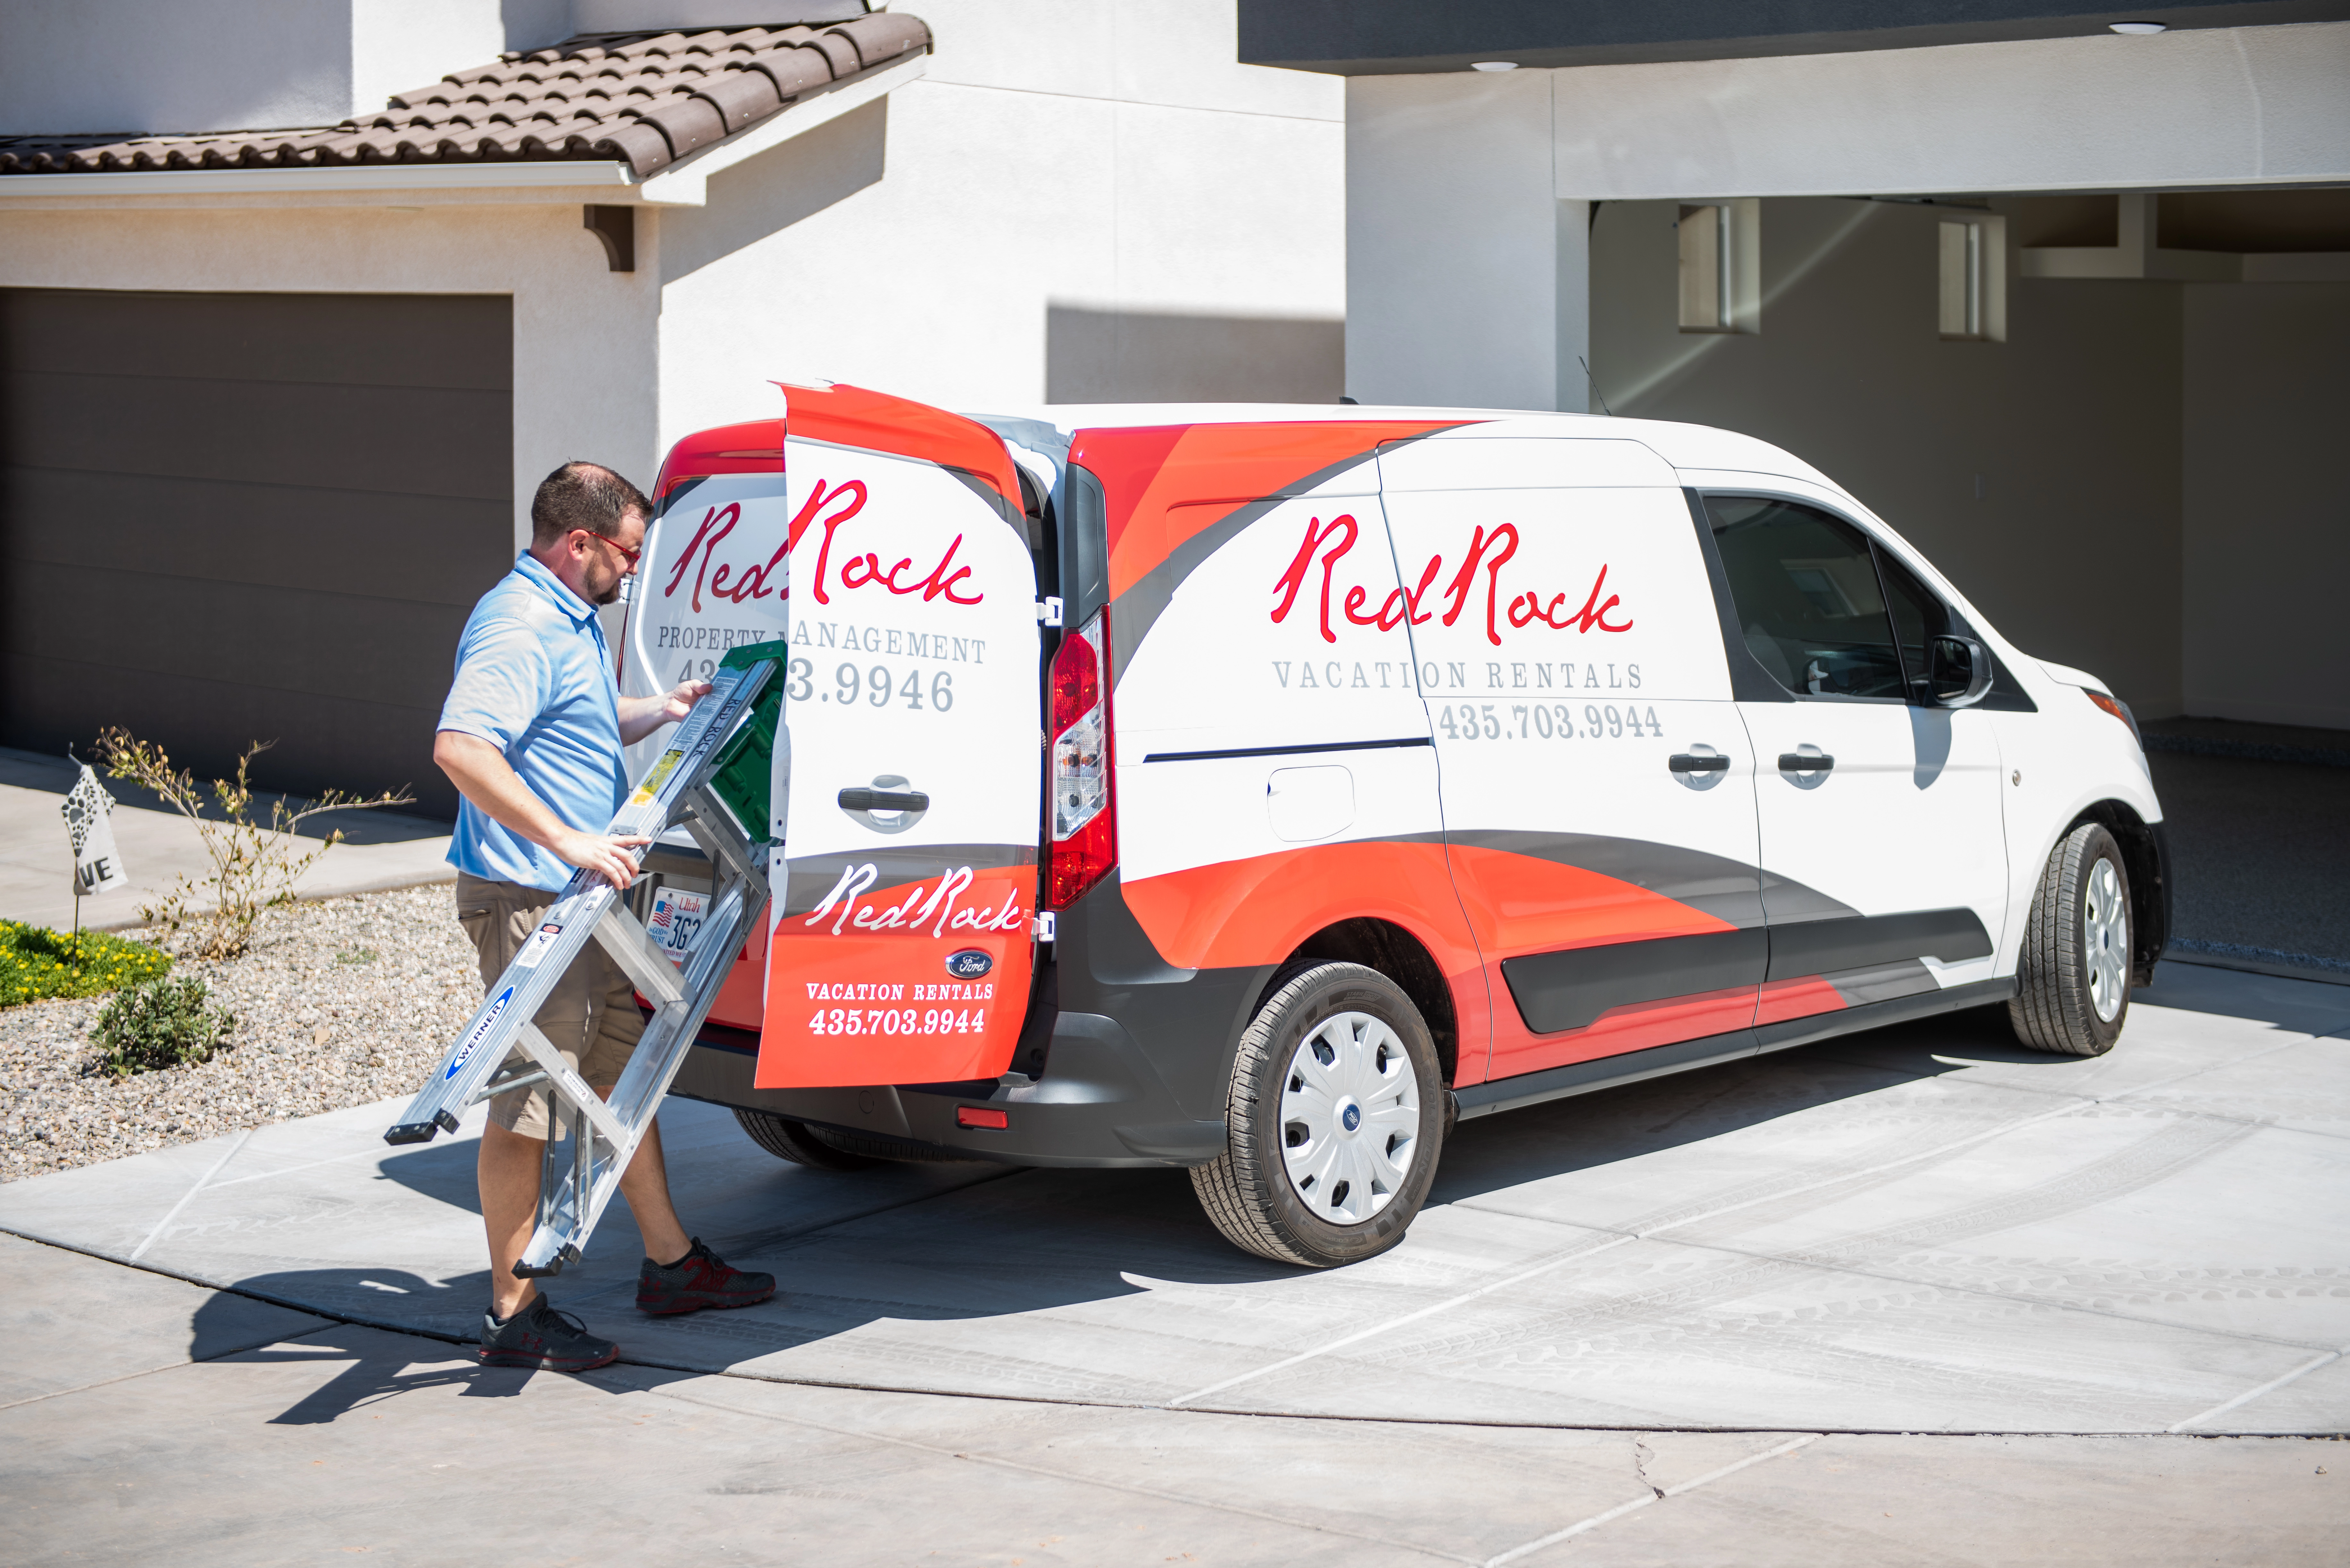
x: 255, y: 864
x: 36, y: 963
x: 161, y: 1023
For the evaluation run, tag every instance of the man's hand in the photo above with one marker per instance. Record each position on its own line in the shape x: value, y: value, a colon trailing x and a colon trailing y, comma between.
x: 604, y: 857
x: 640, y: 716
x: 681, y: 698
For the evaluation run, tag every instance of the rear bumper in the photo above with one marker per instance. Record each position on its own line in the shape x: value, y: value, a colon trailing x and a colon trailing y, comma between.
x: 1124, y: 1061
x: 1101, y: 1104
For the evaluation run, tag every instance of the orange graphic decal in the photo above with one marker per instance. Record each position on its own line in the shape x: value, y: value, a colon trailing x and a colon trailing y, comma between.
x: 1165, y: 484
x: 1519, y: 904
x: 921, y: 983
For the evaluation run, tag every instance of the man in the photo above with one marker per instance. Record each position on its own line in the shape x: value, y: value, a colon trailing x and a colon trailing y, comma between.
x: 531, y: 735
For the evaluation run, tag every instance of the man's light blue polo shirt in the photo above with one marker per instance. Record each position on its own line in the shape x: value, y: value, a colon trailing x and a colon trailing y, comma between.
x: 534, y: 679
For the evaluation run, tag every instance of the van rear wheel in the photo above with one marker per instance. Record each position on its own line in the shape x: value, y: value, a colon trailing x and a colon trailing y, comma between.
x: 1334, y: 1121
x: 796, y: 1141
x: 2073, y: 976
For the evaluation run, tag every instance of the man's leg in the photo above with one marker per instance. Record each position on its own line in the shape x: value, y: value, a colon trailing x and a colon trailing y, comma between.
x: 507, y: 1168
x: 679, y: 1274
x: 645, y: 1184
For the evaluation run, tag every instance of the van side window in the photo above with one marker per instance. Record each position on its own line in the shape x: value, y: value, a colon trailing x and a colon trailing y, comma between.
x: 1805, y: 588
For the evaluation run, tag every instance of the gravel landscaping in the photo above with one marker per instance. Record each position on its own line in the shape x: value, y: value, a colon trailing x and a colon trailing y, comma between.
x: 338, y: 1003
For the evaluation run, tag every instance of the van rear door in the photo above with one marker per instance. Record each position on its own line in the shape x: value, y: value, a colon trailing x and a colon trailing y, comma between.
x: 909, y: 788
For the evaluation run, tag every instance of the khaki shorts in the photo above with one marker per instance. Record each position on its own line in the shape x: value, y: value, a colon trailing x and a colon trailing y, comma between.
x: 591, y: 1016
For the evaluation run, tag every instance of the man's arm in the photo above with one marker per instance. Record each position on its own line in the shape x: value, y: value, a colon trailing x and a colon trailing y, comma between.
x: 640, y: 716
x: 482, y: 774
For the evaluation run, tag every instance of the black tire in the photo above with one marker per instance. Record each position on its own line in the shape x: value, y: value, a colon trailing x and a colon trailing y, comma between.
x: 798, y: 1142
x: 2060, y: 981
x: 1248, y: 1191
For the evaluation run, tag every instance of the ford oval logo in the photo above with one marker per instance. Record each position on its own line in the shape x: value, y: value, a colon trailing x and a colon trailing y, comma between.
x: 969, y: 964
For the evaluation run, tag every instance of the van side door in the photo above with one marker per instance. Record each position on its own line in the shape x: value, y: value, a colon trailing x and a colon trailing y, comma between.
x: 1883, y: 838
x: 1596, y: 783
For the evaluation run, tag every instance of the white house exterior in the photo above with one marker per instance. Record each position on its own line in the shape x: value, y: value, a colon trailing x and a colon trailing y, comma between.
x: 1073, y: 201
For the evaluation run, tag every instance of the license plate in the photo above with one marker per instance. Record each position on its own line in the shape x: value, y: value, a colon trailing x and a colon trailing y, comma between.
x: 675, y: 921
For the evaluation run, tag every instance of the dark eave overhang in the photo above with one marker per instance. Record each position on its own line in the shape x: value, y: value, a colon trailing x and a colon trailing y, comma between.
x: 1391, y: 37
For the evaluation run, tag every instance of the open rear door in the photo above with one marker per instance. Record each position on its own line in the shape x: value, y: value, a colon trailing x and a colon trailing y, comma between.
x: 905, y: 903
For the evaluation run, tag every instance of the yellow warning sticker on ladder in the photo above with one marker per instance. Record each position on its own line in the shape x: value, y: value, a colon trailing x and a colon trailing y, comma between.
x: 661, y: 770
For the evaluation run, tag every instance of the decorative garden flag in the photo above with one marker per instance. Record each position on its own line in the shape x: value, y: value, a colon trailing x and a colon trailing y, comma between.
x: 98, y: 869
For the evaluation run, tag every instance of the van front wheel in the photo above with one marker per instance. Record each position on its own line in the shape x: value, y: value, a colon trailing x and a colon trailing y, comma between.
x: 2072, y: 977
x: 1334, y: 1121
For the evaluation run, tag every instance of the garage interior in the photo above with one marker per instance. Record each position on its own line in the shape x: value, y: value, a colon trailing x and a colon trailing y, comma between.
x: 232, y: 517
x: 2106, y: 417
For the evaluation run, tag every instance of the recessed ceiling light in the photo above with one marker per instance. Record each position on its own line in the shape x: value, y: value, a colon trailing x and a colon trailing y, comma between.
x: 1494, y: 65
x: 2140, y: 29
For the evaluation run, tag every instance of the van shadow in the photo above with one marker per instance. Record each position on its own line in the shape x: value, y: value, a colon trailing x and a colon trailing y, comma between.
x: 1587, y: 1131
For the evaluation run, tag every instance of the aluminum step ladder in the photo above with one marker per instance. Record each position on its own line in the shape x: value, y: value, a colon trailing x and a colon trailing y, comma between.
x: 714, y: 780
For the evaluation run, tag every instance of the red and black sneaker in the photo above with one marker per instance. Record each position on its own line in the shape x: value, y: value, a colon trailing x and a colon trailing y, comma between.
x: 539, y: 1336
x: 699, y: 1279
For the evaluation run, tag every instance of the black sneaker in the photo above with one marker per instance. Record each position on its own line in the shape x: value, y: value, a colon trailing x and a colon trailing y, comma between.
x: 539, y: 1336
x: 699, y: 1279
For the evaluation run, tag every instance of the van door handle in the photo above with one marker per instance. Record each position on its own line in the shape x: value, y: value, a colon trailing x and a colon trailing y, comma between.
x: 1797, y: 763
x: 1683, y: 762
x: 884, y: 800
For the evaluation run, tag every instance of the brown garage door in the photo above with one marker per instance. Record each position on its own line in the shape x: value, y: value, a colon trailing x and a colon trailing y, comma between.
x: 239, y: 517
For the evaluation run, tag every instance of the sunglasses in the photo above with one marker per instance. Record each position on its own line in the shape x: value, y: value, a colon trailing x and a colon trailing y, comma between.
x: 624, y: 550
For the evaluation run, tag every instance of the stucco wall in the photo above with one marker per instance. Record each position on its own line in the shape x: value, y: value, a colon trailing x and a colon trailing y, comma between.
x: 2072, y: 428
x: 2267, y: 517
x: 585, y: 338
x: 1065, y: 178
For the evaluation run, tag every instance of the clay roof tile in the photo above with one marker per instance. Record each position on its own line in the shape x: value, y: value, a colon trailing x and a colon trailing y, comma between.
x: 644, y: 98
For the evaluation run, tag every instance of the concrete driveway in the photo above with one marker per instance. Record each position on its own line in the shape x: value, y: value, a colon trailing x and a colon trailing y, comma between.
x: 1708, y: 1318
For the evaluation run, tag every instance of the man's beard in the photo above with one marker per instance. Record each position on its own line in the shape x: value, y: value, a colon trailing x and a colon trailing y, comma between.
x: 610, y: 596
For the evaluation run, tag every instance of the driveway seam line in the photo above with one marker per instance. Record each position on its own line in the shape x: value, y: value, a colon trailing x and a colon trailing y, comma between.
x: 167, y: 1366
x: 414, y: 1331
x: 1655, y: 1496
x: 185, y: 1198
x: 2250, y: 1394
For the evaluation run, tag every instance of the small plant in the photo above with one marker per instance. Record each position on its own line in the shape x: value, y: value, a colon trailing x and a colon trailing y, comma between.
x: 161, y: 1023
x: 255, y: 865
x: 356, y: 955
x: 37, y: 963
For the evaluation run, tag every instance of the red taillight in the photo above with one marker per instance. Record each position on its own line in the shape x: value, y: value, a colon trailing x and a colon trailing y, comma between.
x: 1081, y: 808
x: 981, y: 1116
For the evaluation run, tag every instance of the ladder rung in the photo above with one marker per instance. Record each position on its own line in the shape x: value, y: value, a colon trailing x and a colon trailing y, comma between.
x: 492, y: 1090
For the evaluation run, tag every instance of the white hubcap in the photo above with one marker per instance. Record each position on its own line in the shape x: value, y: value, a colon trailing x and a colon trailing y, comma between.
x: 1349, y: 1117
x: 2105, y: 933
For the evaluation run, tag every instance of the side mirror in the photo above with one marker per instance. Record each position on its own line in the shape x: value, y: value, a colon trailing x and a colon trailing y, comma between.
x: 1959, y: 671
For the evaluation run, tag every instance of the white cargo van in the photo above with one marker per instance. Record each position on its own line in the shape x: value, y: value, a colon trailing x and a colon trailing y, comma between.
x: 1259, y: 789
